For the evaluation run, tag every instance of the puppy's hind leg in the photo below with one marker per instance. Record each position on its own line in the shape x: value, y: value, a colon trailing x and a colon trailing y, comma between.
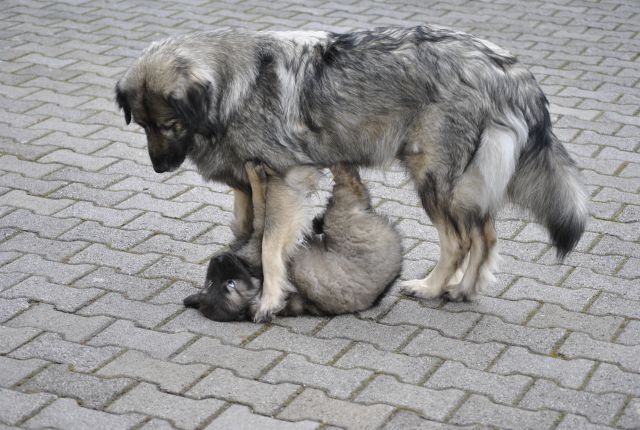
x: 348, y: 185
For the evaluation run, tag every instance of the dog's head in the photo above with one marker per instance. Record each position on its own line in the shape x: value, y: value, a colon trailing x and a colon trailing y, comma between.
x: 229, y: 290
x: 169, y: 96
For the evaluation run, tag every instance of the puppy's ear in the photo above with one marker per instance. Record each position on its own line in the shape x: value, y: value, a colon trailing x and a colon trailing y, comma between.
x: 123, y: 104
x: 194, y: 300
x: 192, y: 105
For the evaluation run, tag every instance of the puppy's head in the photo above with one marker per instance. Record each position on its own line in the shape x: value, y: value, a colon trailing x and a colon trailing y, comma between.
x: 169, y: 96
x: 229, y: 290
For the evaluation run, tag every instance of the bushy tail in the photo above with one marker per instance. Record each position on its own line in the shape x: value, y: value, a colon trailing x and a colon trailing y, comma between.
x: 546, y: 182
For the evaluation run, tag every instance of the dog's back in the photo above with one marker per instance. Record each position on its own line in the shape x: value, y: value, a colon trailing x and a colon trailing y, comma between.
x: 354, y: 261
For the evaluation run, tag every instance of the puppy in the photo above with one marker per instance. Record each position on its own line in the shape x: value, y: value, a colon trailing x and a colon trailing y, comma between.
x: 344, y: 266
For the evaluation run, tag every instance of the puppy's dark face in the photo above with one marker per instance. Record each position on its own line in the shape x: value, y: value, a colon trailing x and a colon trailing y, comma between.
x: 170, y: 114
x: 229, y: 289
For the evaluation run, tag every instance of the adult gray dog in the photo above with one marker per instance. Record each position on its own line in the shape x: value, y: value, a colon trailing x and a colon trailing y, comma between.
x: 470, y: 124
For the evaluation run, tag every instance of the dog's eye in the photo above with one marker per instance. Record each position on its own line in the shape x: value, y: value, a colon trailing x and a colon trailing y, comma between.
x: 231, y: 284
x: 168, y: 126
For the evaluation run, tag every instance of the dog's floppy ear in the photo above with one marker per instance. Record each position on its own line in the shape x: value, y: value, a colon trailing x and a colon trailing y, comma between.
x: 123, y: 103
x: 192, y: 105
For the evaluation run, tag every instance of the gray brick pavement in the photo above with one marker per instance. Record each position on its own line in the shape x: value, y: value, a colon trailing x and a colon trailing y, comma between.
x: 97, y: 251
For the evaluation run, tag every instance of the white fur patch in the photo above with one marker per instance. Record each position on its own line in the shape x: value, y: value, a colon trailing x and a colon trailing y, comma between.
x: 495, y: 48
x: 301, y: 37
x: 485, y: 182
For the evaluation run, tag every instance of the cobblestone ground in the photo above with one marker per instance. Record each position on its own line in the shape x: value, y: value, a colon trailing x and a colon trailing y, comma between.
x: 97, y: 251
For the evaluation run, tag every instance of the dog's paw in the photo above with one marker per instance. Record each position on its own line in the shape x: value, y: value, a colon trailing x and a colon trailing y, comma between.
x: 419, y: 289
x: 263, y: 316
x: 268, y: 307
x: 458, y: 294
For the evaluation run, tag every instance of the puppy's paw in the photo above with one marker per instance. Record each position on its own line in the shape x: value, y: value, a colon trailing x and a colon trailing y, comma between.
x: 420, y: 289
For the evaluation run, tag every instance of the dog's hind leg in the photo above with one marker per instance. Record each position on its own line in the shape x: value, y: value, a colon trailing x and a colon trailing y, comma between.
x: 453, y: 249
x: 482, y: 258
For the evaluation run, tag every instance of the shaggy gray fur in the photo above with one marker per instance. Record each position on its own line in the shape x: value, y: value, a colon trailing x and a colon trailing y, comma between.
x: 467, y: 120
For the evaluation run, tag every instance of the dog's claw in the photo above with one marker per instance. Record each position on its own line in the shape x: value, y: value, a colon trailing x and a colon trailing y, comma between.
x: 454, y: 295
x: 418, y: 289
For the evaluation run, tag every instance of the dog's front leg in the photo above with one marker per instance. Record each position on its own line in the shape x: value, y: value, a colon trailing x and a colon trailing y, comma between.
x: 242, y: 225
x: 284, y: 224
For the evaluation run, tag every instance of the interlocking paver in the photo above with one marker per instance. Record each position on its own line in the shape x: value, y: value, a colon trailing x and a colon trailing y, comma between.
x: 318, y: 350
x: 480, y: 410
x: 408, y: 369
x: 241, y: 418
x: 382, y: 335
x: 631, y: 415
x: 601, y: 327
x: 473, y: 354
x: 65, y: 298
x: 168, y: 376
x: 13, y: 337
x: 39, y: 205
x: 518, y: 360
x: 193, y: 321
x: 581, y: 345
x: 52, y: 347
x: 58, y: 272
x: 72, y: 327
x: 502, y: 389
x: 630, y: 335
x: 608, y: 378
x: 113, y: 237
x: 493, y: 328
x: 144, y: 314
x: 67, y: 414
x: 186, y: 413
x: 11, y: 307
x: 599, y: 408
x: 244, y: 362
x: 132, y: 287
x: 315, y: 405
x: 264, y: 398
x: 336, y: 382
x: 107, y: 216
x: 91, y: 391
x: 77, y: 191
x: 157, y: 344
x: 18, y: 406
x: 85, y: 216
x: 50, y: 249
x: 434, y: 404
x: 13, y: 371
x: 571, y: 299
x: 449, y: 324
